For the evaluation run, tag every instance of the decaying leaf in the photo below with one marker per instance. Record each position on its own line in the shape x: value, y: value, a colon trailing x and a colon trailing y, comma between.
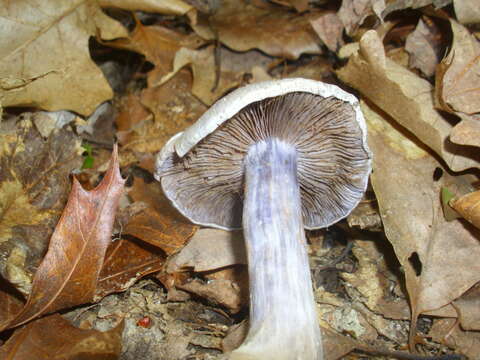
x: 45, y: 59
x: 159, y: 45
x: 69, y: 272
x: 457, y: 81
x: 54, y: 338
x: 209, y: 249
x: 423, y: 47
x: 439, y: 257
x: 274, y: 31
x: 469, y: 207
x: 172, y: 106
x: 406, y: 97
x: 205, y: 85
x: 159, y: 224
x: 34, y: 185
x: 371, y: 281
x: 125, y: 262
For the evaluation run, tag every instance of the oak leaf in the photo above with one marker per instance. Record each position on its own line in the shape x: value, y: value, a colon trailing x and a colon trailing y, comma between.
x: 68, y: 274
x: 45, y: 58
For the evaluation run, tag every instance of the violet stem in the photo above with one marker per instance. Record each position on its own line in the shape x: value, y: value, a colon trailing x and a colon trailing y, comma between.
x: 283, y: 317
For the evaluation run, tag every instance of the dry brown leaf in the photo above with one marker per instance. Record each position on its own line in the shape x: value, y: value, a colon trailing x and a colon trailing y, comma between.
x: 159, y: 45
x: 168, y: 7
x: 469, y: 207
x: 274, y: 31
x: 159, y: 224
x: 173, y: 106
x: 467, y: 306
x: 205, y: 85
x: 125, y: 262
x: 467, y: 132
x: 445, y: 331
x: 352, y: 13
x: 34, y: 186
x: 159, y: 229
x: 45, y: 58
x: 69, y: 272
x: 209, y: 249
x: 329, y: 29
x: 467, y: 11
x: 423, y: 47
x: 457, y: 80
x: 54, y: 338
x: 405, y: 97
x: 439, y: 257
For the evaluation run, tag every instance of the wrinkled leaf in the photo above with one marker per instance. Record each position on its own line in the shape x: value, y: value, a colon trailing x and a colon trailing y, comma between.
x: 205, y: 85
x: 469, y: 207
x: 457, y: 81
x: 274, y: 31
x: 125, y: 262
x: 54, y: 338
x: 69, y: 272
x: 34, y: 185
x: 439, y: 257
x: 45, y: 57
x: 406, y: 97
x: 159, y: 45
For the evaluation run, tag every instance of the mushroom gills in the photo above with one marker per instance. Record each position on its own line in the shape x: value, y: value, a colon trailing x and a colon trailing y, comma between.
x: 283, y: 319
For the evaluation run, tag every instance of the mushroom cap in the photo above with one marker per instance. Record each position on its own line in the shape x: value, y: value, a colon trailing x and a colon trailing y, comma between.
x: 201, y: 169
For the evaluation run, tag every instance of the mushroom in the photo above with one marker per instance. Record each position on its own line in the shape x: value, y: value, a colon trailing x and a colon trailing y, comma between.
x: 277, y: 157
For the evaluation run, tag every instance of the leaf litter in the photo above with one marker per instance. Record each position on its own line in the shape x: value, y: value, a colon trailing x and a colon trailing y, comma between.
x: 400, y: 272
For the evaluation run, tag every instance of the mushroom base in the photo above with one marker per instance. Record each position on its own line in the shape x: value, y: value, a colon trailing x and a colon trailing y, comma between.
x: 283, y: 317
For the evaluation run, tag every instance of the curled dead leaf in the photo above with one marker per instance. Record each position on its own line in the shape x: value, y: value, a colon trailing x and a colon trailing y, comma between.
x: 469, y: 207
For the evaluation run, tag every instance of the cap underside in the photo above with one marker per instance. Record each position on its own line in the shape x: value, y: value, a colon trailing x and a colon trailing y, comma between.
x: 206, y: 185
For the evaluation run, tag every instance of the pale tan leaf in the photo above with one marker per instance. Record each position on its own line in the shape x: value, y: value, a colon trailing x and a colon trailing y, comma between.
x: 45, y: 59
x: 458, y: 80
x: 274, y: 31
x: 467, y: 11
x: 406, y: 97
x: 440, y: 258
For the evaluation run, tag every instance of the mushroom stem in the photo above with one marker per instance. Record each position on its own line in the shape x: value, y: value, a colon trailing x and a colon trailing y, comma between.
x: 283, y: 318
